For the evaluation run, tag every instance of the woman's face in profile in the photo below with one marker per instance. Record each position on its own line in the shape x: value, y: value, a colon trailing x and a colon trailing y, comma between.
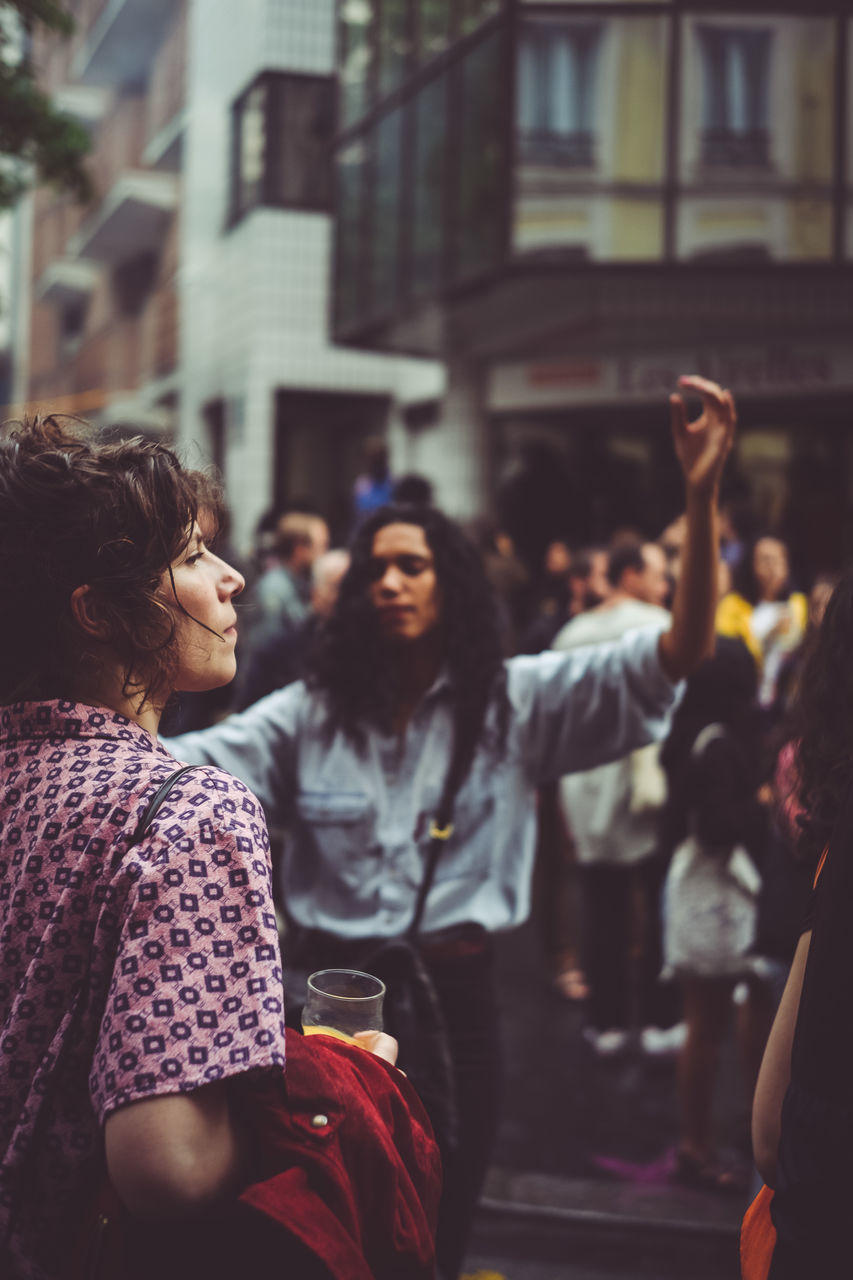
x: 206, y: 621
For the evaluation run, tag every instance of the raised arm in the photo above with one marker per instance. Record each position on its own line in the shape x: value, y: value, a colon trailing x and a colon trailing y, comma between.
x: 775, y: 1073
x: 702, y: 448
x: 258, y: 746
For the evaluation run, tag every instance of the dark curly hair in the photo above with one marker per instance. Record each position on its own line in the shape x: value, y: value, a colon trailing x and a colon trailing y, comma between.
x: 822, y: 722
x: 351, y: 663
x: 74, y: 511
x: 744, y: 581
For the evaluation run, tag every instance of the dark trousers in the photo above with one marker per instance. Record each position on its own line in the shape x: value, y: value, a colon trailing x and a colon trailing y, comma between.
x: 466, y: 990
x: 465, y: 985
x: 619, y: 986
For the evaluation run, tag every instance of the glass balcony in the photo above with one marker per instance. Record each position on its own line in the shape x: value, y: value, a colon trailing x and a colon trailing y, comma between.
x: 121, y: 42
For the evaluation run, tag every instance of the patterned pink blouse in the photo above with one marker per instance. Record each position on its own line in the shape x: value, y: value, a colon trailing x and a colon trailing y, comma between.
x: 124, y: 973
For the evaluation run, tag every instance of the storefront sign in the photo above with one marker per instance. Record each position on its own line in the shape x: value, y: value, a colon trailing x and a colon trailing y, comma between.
x: 768, y: 370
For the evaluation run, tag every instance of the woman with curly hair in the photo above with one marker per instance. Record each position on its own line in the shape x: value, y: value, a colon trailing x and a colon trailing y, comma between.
x: 409, y: 705
x: 803, y: 1110
x: 141, y: 1000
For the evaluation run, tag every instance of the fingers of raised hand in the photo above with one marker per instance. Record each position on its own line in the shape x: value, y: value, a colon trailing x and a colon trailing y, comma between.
x: 678, y: 416
x: 715, y: 399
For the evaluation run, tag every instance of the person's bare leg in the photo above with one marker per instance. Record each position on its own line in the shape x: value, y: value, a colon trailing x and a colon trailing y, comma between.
x: 707, y: 1002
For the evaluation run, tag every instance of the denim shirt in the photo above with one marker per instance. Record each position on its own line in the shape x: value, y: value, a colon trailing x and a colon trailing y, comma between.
x: 357, y: 823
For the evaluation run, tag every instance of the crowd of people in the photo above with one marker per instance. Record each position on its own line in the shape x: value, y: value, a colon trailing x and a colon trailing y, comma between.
x: 416, y: 724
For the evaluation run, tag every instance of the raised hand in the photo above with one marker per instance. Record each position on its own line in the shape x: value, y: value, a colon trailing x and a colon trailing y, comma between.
x: 702, y: 446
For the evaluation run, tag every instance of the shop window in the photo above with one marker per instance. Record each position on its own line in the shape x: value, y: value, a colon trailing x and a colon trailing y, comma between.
x: 735, y: 64
x: 557, y: 71
x: 281, y: 134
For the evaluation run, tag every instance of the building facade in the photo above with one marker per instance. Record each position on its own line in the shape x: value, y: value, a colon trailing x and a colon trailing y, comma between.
x: 191, y: 299
x: 573, y: 201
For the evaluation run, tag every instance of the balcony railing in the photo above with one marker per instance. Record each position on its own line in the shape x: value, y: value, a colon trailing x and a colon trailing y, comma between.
x: 132, y: 220
x: 120, y: 40
x: 562, y: 150
x: 166, y: 97
x: 736, y: 149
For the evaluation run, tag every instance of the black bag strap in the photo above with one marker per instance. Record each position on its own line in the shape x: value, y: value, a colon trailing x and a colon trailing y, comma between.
x: 441, y: 827
x: 155, y: 802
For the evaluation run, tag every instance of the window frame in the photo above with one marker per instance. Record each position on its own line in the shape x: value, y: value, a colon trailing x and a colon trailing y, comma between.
x: 276, y: 84
x: 672, y: 188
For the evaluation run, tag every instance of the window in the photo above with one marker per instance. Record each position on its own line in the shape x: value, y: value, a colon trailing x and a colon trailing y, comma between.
x: 556, y: 94
x: 385, y: 220
x: 357, y: 22
x: 428, y: 186
x: 350, y: 257
x: 735, y: 65
x: 250, y: 129
x: 473, y: 12
x: 281, y: 134
x: 480, y: 161
x: 394, y: 43
x: 433, y: 27
x: 301, y: 118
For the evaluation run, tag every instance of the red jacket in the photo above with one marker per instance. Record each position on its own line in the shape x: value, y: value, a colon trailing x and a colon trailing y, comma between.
x: 360, y: 1191
x: 345, y: 1185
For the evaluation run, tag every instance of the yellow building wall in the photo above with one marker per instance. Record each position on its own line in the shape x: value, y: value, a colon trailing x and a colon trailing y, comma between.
x: 637, y: 230
x: 813, y: 85
x: 639, y: 102
x: 810, y: 228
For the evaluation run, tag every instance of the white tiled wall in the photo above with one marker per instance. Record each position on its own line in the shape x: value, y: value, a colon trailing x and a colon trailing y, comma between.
x: 255, y: 298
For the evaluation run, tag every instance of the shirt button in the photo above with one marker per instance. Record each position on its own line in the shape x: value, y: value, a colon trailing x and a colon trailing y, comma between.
x: 319, y: 1122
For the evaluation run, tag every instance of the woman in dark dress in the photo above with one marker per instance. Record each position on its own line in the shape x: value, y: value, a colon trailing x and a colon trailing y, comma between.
x: 803, y: 1110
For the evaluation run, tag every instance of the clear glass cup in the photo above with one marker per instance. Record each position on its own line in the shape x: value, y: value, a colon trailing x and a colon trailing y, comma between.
x: 341, y: 1002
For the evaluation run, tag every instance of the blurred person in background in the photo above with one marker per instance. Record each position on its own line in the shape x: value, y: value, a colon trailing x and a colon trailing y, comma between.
x: 550, y: 599
x: 282, y: 656
x: 715, y: 828
x: 507, y: 576
x: 612, y: 813
x: 410, y: 706
x: 414, y: 490
x: 765, y: 613
x: 802, y: 1122
x: 588, y: 582
x: 575, y: 581
x: 281, y: 594
x: 373, y: 487
x: 786, y: 876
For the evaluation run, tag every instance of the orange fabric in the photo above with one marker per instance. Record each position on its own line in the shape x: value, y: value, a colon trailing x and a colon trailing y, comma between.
x: 757, y: 1238
x: 820, y: 866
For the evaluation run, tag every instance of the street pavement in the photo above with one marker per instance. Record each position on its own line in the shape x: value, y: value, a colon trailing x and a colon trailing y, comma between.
x: 582, y: 1184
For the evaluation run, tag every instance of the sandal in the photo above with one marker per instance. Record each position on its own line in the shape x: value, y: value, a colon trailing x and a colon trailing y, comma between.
x: 709, y: 1174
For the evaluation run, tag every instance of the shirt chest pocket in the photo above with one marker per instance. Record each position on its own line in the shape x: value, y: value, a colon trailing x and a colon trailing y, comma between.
x: 467, y: 852
x: 340, y: 823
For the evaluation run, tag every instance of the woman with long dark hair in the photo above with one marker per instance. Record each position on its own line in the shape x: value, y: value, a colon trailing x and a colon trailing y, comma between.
x: 409, y: 707
x: 141, y: 991
x: 764, y: 612
x: 803, y: 1110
